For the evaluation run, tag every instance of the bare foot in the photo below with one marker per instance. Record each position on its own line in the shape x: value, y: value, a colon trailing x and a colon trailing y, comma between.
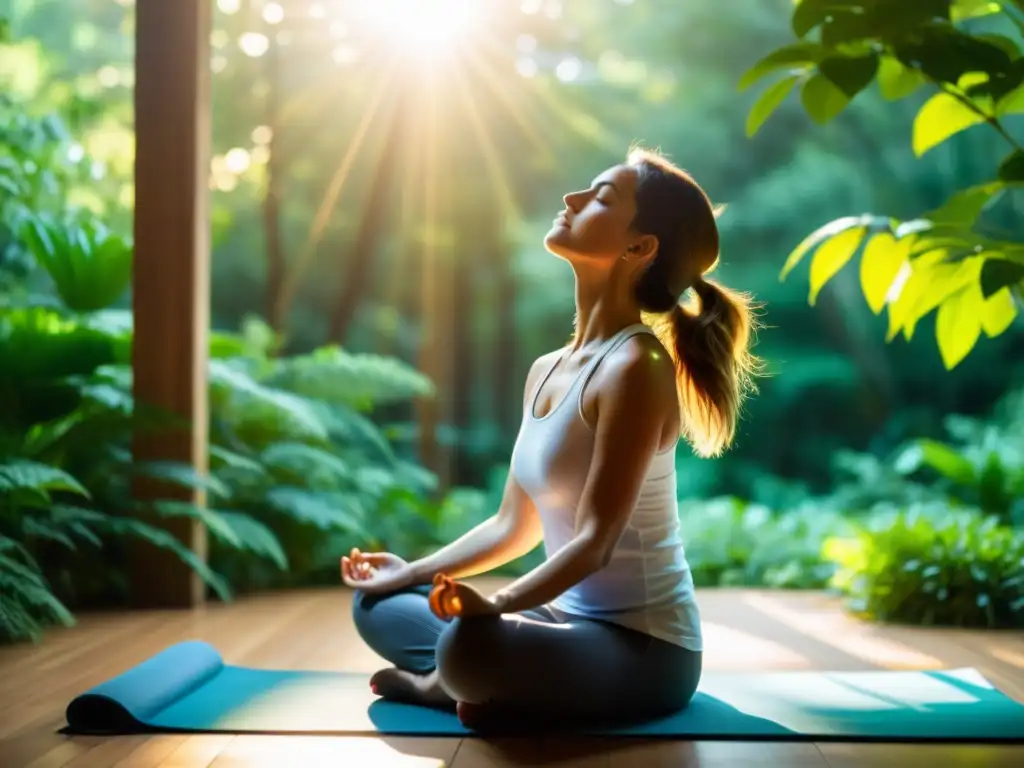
x: 471, y: 715
x: 399, y: 685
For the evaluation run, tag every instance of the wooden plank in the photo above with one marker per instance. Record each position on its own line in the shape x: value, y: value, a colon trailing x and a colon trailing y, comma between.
x: 171, y: 281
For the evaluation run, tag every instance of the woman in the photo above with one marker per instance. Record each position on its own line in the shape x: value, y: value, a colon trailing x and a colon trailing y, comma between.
x: 607, y: 628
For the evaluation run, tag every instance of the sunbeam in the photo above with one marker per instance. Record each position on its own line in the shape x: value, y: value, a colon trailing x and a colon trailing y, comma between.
x: 489, y: 150
x: 334, y: 187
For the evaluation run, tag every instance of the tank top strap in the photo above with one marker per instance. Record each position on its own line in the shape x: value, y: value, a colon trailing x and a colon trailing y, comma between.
x: 616, y: 341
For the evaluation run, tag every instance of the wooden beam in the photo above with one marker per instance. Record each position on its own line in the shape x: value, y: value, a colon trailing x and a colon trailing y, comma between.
x: 172, y: 269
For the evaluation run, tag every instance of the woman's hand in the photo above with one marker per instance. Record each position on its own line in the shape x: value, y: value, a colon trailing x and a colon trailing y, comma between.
x: 450, y: 599
x: 376, y: 572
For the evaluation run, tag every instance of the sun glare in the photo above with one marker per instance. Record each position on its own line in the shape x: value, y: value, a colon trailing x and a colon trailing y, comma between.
x: 427, y: 26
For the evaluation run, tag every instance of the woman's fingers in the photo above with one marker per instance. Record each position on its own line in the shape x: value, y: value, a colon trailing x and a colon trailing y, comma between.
x: 444, y: 598
x: 376, y: 558
x: 436, y: 600
x: 355, y: 570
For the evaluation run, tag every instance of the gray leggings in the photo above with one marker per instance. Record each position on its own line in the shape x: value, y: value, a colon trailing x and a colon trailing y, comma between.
x: 532, y: 663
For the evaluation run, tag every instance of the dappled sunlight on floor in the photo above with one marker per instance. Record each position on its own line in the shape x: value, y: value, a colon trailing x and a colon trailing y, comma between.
x: 726, y: 648
x: 855, y: 639
x: 1008, y: 656
x: 323, y: 751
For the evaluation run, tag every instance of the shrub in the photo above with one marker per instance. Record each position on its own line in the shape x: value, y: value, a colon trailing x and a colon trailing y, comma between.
x: 730, y: 542
x: 934, y: 566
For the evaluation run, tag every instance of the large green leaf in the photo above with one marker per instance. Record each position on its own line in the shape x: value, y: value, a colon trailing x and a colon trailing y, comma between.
x: 897, y: 81
x: 831, y: 256
x: 90, y: 265
x: 970, y: 9
x: 902, y: 307
x: 958, y: 324
x: 938, y: 456
x: 822, y: 99
x: 963, y: 208
x: 768, y: 102
x: 796, y: 56
x: 851, y: 74
x: 945, y: 279
x: 31, y: 475
x: 940, y: 118
x: 883, y: 258
x: 817, y: 236
x: 998, y: 313
x: 998, y: 273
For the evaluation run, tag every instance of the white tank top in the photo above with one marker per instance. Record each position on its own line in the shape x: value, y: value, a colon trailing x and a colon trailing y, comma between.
x: 647, y: 585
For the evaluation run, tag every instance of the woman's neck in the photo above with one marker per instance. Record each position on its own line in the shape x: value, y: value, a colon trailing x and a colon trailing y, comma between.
x: 604, y: 306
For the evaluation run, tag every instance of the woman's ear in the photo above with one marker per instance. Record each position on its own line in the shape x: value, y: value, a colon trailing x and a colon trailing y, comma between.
x: 645, y: 247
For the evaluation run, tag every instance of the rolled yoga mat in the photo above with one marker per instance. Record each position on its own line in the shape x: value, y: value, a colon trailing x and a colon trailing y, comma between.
x: 189, y: 688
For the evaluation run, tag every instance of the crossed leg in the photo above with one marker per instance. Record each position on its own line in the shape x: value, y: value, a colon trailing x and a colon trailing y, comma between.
x: 534, y: 665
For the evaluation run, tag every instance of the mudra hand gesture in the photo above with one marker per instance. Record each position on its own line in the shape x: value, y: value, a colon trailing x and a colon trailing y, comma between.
x: 451, y: 599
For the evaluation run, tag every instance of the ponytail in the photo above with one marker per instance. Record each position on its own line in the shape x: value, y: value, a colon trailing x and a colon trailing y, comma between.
x: 709, y: 342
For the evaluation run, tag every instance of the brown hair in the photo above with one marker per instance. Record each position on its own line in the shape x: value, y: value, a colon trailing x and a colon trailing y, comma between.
x: 709, y: 339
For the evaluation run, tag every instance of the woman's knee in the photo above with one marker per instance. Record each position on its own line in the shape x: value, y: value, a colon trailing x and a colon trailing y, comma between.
x: 361, y: 614
x: 468, y: 659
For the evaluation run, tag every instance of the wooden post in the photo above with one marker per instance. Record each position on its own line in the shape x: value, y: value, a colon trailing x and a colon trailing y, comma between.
x: 172, y: 271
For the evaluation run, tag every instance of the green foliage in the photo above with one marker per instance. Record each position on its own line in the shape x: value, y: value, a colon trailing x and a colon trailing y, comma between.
x: 943, y: 261
x: 91, y: 267
x: 299, y: 471
x: 934, y: 567
x: 982, y: 466
x: 38, y: 507
x: 733, y: 543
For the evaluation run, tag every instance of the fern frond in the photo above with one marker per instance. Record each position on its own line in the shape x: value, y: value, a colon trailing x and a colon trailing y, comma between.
x: 222, y: 458
x: 261, y: 414
x: 42, y: 529
x: 256, y: 537
x: 21, y: 474
x: 350, y: 427
x: 129, y: 527
x: 180, y: 474
x: 361, y: 381
x: 325, y: 511
x: 305, y: 461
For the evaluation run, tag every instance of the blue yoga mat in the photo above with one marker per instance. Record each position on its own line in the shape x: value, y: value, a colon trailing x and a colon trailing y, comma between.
x: 188, y: 687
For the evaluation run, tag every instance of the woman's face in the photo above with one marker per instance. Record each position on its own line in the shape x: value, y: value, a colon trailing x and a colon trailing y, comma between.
x: 596, y: 223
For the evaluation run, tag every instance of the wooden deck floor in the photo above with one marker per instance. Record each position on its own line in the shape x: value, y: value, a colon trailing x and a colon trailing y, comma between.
x: 745, y: 630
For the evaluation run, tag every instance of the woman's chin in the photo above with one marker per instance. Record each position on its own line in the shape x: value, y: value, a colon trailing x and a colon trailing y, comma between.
x: 553, y: 242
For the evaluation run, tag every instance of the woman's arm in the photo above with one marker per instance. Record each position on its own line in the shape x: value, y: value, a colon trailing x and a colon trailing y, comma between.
x: 509, y: 534
x: 632, y: 406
